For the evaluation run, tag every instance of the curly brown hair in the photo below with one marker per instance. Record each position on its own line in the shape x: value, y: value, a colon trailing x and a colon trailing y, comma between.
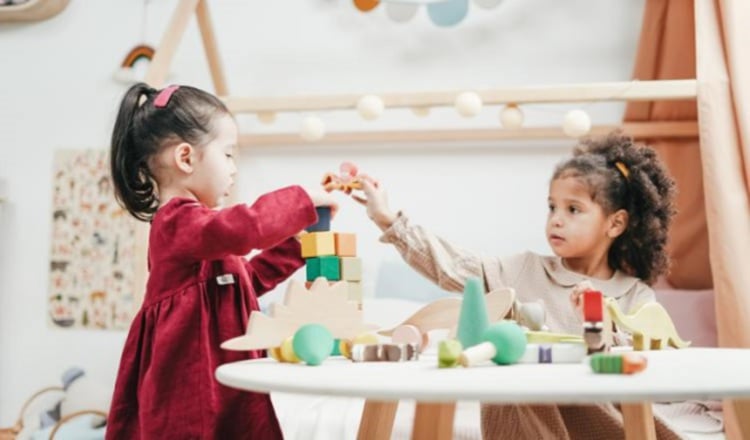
x: 624, y: 175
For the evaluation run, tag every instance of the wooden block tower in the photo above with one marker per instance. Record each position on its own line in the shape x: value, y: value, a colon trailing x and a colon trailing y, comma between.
x: 332, y: 255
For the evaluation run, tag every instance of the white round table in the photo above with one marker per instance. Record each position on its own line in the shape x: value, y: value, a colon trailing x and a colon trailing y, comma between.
x: 697, y: 373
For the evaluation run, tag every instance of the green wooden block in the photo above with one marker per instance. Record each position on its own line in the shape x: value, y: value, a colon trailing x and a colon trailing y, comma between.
x: 326, y: 267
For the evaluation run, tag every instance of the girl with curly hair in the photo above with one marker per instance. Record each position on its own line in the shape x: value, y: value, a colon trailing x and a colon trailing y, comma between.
x: 610, y: 207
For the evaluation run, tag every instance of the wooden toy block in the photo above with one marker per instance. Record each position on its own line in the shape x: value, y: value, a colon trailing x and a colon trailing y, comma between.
x: 324, y: 220
x: 593, y: 306
x: 473, y: 319
x: 531, y: 315
x: 317, y: 244
x: 536, y: 337
x: 561, y: 353
x: 351, y: 268
x: 449, y: 351
x: 345, y: 244
x: 595, y: 337
x: 355, y: 291
x: 504, y: 343
x: 327, y: 267
x: 384, y: 352
x: 324, y: 304
x: 287, y: 351
x: 409, y: 334
x: 345, y: 346
x: 618, y: 363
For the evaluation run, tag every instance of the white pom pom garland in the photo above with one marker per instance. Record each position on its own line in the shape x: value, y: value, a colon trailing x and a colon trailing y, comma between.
x: 468, y: 104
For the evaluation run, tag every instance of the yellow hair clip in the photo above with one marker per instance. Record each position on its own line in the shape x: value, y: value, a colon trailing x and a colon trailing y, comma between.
x: 623, y: 169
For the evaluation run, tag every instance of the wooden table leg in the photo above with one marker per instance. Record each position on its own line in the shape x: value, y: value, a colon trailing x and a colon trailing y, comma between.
x: 377, y: 420
x: 433, y: 421
x: 742, y: 415
x: 638, y: 419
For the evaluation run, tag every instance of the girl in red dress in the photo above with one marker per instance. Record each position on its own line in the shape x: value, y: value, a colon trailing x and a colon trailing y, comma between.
x: 172, y: 165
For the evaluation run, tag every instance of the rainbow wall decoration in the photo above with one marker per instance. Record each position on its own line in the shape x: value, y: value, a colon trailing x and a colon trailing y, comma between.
x: 133, y: 68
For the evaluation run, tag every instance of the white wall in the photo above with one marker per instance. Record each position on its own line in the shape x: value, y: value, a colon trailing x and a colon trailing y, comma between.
x: 56, y: 92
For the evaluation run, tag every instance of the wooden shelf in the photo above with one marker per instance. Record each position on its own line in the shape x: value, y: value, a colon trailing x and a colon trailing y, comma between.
x: 33, y: 10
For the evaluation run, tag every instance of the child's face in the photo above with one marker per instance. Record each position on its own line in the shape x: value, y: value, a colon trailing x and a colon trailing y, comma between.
x: 576, y: 225
x: 215, y: 168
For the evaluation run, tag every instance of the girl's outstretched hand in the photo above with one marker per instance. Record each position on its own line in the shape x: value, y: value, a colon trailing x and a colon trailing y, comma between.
x: 576, y: 296
x: 376, y: 201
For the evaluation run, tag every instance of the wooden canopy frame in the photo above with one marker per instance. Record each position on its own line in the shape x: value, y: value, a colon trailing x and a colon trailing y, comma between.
x: 378, y: 416
x: 591, y: 92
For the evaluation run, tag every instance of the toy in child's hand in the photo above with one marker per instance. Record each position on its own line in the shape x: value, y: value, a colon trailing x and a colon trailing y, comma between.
x: 324, y: 220
x: 347, y: 180
x: 597, y: 328
x: 577, y: 293
x: 504, y: 343
x: 618, y: 363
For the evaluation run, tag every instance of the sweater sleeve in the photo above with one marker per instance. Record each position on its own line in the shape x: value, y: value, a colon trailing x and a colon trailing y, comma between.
x: 196, y: 232
x: 437, y: 259
x: 274, y: 265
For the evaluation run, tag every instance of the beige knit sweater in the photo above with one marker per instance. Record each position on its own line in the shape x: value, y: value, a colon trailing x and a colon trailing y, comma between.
x: 535, y: 278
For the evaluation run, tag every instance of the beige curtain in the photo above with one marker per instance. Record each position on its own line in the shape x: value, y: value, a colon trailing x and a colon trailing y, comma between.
x: 666, y: 51
x: 723, y: 72
x: 704, y: 39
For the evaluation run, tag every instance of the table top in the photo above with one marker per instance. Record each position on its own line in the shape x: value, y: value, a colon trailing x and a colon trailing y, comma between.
x: 693, y: 373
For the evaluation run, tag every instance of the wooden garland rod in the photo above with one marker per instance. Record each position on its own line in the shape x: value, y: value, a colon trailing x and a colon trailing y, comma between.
x: 657, y: 90
x: 639, y: 130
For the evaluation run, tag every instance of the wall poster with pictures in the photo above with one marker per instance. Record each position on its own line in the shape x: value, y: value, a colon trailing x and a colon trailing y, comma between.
x: 91, y: 283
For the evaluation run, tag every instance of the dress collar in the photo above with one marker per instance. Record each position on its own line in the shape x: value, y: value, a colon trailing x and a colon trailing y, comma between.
x: 615, y: 287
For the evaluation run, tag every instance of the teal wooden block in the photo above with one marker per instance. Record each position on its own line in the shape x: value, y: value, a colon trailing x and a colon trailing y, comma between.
x: 325, y: 266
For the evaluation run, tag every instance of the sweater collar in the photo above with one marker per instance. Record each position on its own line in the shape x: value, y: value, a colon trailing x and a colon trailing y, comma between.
x: 615, y: 287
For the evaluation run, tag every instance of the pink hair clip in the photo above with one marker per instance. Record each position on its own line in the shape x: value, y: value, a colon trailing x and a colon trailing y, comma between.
x: 162, y: 99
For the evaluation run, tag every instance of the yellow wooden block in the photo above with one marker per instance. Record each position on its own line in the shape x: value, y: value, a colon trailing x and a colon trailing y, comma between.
x: 346, y: 244
x: 351, y: 268
x: 316, y: 244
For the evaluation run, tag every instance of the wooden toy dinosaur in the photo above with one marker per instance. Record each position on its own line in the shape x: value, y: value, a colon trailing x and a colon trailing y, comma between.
x: 323, y: 304
x: 650, y: 325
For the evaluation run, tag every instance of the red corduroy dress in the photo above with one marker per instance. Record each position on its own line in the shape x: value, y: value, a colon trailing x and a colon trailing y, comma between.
x: 200, y: 293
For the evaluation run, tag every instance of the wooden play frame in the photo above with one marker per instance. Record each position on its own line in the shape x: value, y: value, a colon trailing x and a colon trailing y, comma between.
x: 658, y: 90
x: 377, y: 417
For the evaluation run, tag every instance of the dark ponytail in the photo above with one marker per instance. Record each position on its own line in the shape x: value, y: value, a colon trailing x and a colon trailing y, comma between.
x: 132, y: 179
x: 629, y: 176
x: 141, y: 130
